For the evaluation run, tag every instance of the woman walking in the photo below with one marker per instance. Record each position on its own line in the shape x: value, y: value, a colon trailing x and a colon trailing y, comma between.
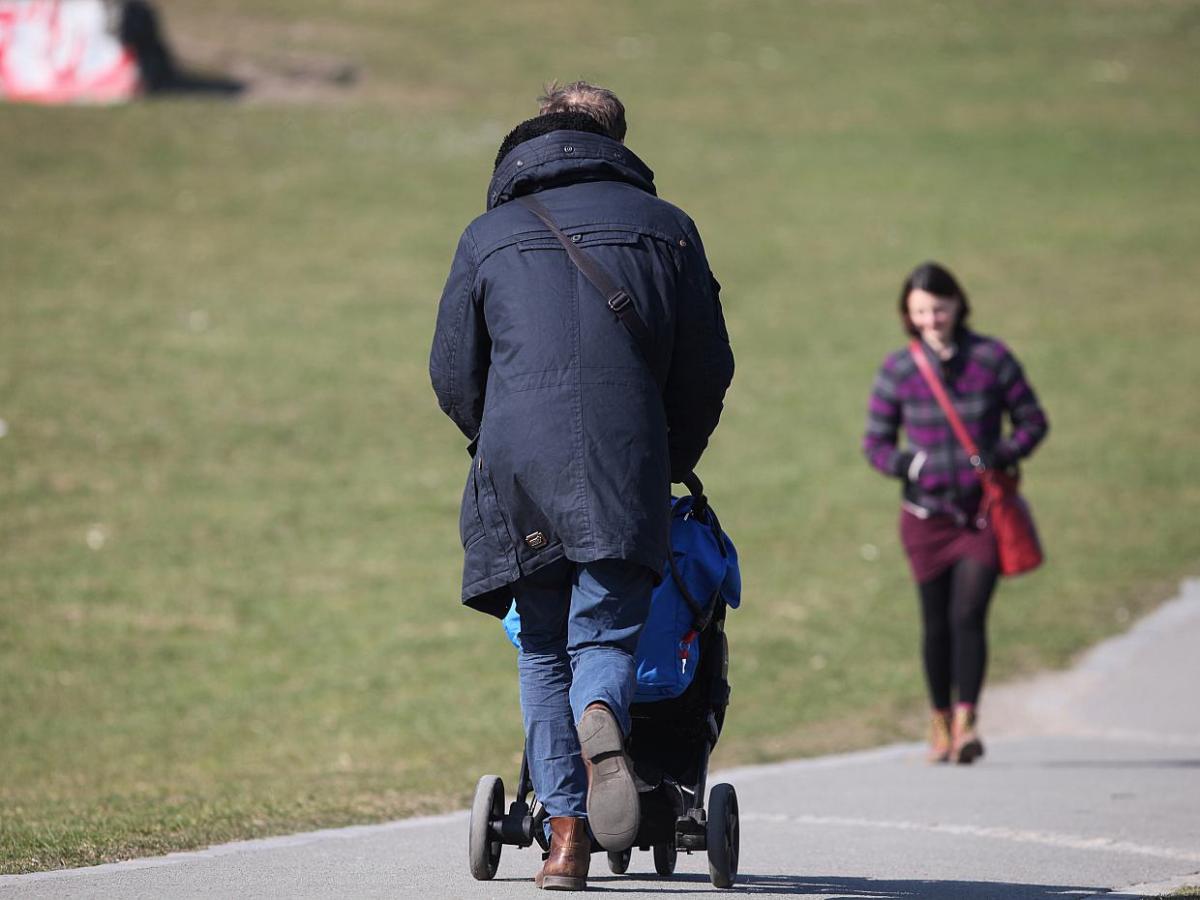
x: 950, y: 546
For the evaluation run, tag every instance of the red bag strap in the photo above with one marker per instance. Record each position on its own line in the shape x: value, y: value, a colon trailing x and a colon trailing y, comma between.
x: 939, y: 393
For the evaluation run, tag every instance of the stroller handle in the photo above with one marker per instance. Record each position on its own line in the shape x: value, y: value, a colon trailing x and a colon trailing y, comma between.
x: 696, y: 488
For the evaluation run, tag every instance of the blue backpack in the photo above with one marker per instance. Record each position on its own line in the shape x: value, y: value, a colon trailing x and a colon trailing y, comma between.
x: 702, y: 570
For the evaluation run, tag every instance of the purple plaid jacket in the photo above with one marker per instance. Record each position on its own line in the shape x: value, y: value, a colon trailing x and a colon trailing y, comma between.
x: 984, y: 380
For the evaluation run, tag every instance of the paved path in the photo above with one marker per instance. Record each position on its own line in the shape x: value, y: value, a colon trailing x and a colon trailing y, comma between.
x: 1091, y: 784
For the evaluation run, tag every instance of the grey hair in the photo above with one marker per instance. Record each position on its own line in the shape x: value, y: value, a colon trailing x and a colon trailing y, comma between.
x: 581, y: 96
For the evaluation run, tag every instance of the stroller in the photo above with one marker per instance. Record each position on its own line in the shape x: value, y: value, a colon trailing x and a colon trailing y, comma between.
x: 677, y: 717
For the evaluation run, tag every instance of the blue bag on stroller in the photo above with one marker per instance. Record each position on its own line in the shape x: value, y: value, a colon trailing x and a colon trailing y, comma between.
x: 702, y: 569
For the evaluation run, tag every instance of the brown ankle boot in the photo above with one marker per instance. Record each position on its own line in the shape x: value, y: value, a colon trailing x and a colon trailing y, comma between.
x: 939, y: 736
x: 967, y: 747
x: 566, y: 868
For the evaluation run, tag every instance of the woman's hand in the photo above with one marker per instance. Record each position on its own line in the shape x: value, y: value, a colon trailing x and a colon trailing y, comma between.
x: 914, y: 467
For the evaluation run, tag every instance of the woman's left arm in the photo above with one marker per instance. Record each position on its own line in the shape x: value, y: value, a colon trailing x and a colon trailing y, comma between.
x: 1028, y: 419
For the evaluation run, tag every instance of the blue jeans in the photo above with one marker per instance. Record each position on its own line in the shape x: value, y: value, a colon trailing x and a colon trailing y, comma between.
x: 580, y: 624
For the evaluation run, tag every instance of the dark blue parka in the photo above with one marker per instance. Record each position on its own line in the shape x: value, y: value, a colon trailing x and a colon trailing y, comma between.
x: 575, y: 435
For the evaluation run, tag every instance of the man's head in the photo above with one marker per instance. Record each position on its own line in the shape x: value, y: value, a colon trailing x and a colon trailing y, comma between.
x: 580, y: 96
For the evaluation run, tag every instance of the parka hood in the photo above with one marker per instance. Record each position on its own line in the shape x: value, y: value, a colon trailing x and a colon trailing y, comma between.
x: 565, y: 157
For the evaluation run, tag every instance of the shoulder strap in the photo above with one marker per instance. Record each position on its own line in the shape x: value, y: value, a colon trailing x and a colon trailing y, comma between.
x: 939, y: 393
x: 617, y: 298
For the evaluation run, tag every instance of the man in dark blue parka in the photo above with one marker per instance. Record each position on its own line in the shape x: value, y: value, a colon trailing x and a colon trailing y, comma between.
x: 576, y: 430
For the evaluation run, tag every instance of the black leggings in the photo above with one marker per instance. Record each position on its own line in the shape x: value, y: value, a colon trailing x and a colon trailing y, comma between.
x: 954, y: 609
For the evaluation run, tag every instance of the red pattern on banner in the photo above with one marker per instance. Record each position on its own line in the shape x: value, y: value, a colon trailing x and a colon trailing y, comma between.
x: 60, y: 51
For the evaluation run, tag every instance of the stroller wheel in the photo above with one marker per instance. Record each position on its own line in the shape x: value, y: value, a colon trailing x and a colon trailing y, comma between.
x: 618, y: 863
x: 664, y: 859
x: 484, y: 845
x: 722, y: 835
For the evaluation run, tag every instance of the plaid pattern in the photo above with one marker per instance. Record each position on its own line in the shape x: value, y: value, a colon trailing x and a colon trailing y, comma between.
x: 984, y: 380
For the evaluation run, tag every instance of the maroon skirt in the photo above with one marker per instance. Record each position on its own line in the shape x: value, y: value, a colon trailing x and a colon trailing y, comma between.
x: 935, y: 544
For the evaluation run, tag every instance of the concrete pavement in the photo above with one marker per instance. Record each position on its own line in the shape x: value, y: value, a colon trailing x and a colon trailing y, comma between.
x: 1091, y: 785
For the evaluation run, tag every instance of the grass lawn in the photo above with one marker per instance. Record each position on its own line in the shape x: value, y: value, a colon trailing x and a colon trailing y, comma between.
x: 228, y: 503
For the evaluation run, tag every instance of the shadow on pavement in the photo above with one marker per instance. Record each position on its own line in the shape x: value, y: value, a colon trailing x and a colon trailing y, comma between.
x: 882, y: 889
x: 1102, y: 764
x: 835, y: 888
x: 1123, y: 764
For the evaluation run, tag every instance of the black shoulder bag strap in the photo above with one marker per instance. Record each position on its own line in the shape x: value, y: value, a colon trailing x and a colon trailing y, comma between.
x: 617, y: 298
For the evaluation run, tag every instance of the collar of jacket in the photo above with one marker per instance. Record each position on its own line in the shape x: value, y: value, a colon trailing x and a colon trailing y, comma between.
x: 565, y: 157
x: 967, y: 339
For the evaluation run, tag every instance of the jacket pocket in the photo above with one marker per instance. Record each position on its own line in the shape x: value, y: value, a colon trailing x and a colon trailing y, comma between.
x: 581, y: 237
x: 488, y: 509
x: 470, y: 522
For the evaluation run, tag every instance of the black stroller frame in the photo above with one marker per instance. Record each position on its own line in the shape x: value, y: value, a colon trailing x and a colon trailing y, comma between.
x: 670, y: 744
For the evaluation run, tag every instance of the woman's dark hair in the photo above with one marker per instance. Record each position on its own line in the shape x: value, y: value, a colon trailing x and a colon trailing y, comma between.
x: 937, y: 280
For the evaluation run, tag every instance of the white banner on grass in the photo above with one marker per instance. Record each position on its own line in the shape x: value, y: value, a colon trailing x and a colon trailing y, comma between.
x: 63, y: 51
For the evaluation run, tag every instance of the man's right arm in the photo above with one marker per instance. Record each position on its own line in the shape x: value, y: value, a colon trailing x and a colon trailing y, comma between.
x: 701, y: 364
x: 461, y: 352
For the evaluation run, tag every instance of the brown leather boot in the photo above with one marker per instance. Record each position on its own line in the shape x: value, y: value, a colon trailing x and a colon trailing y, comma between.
x: 967, y: 747
x: 613, y: 807
x: 939, y: 736
x: 566, y: 868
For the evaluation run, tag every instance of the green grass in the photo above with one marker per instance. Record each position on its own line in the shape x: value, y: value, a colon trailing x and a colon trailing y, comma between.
x: 228, y: 548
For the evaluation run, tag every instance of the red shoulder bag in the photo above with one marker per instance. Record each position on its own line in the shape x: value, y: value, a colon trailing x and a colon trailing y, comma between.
x: 1005, y: 509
